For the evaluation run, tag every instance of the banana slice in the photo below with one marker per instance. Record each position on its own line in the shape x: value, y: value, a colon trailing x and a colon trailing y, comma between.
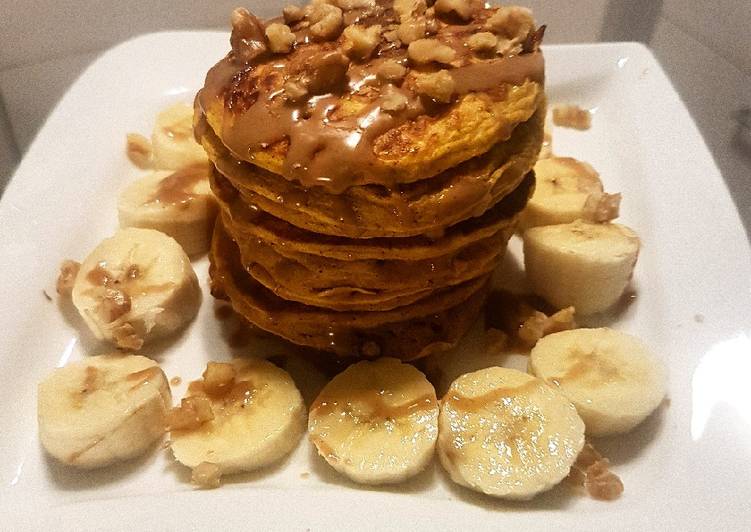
x: 580, y: 264
x: 242, y: 416
x: 135, y: 286
x: 102, y: 410
x: 376, y: 422
x: 611, y: 377
x: 172, y: 139
x: 507, y: 434
x: 179, y: 204
x: 568, y: 190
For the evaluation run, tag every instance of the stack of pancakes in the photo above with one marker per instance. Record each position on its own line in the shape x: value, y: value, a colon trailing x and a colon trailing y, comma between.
x: 367, y: 188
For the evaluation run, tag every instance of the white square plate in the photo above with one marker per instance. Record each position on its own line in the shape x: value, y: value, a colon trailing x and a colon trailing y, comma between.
x: 688, y: 467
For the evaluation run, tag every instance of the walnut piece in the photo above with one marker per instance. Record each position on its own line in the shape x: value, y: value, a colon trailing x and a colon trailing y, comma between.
x: 126, y: 337
x: 115, y: 304
x: 412, y: 29
x: 507, y: 47
x: 360, y: 42
x: 348, y: 5
x: 326, y: 72
x: 495, y: 341
x: 458, y: 8
x: 281, y: 39
x: 391, y: 71
x: 326, y: 20
x: 218, y: 378
x: 572, y: 116
x: 539, y: 325
x: 438, y: 86
x: 139, y: 151
x: 393, y: 101
x: 408, y: 8
x: 193, y: 412
x: 295, y: 91
x: 424, y: 51
x: 66, y: 279
x: 601, y: 207
x: 206, y: 475
x: 482, y: 42
x: 293, y: 14
x: 511, y: 22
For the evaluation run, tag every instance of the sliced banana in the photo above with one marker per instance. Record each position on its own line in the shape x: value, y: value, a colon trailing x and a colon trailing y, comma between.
x: 172, y: 140
x: 135, y: 286
x: 102, y: 410
x: 242, y: 416
x: 179, y: 204
x: 567, y: 190
x: 376, y: 422
x: 580, y: 264
x: 507, y: 434
x: 612, y: 378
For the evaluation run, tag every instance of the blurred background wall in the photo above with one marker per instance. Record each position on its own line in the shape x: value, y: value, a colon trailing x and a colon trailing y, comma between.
x: 703, y: 46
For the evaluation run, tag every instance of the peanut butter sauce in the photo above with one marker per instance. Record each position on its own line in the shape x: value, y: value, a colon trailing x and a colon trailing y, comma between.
x: 321, y: 148
x: 178, y: 187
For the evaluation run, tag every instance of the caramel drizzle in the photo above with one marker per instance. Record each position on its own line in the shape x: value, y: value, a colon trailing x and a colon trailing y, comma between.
x: 375, y: 406
x: 179, y: 186
x: 322, y: 151
x: 475, y: 404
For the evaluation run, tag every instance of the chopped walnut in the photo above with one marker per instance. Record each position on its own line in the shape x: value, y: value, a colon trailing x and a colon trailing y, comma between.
x: 370, y: 349
x: 218, y: 378
x: 391, y: 35
x: 206, y: 475
x: 508, y: 47
x: 67, y: 278
x: 293, y: 14
x: 126, y: 337
x: 193, y: 412
x: 295, y: 91
x: 391, y: 71
x: 458, y: 8
x: 139, y: 151
x: 424, y: 51
x: 601, y: 207
x: 392, y: 100
x: 114, y: 305
x: 408, y: 8
x: 495, y: 340
x: 248, y: 37
x: 326, y: 20
x: 412, y: 29
x: 360, y: 42
x: 438, y: 86
x: 482, y: 42
x: 325, y: 72
x: 539, y: 325
x: 572, y: 116
x: 591, y: 472
x: 511, y: 22
x: 281, y: 39
x: 348, y: 5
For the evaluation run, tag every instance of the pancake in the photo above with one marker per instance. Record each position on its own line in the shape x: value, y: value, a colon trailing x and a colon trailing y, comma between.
x: 367, y: 211
x: 370, y: 164
x: 319, y: 116
x: 246, y: 222
x: 368, y: 284
x: 408, y: 333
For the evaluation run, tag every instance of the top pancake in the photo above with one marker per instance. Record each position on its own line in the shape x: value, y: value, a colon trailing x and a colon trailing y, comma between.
x: 327, y: 114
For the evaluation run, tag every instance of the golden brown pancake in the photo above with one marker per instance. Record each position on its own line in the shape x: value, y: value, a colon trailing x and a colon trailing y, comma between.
x: 466, y: 190
x: 371, y: 159
x: 409, y: 332
x: 321, y: 116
